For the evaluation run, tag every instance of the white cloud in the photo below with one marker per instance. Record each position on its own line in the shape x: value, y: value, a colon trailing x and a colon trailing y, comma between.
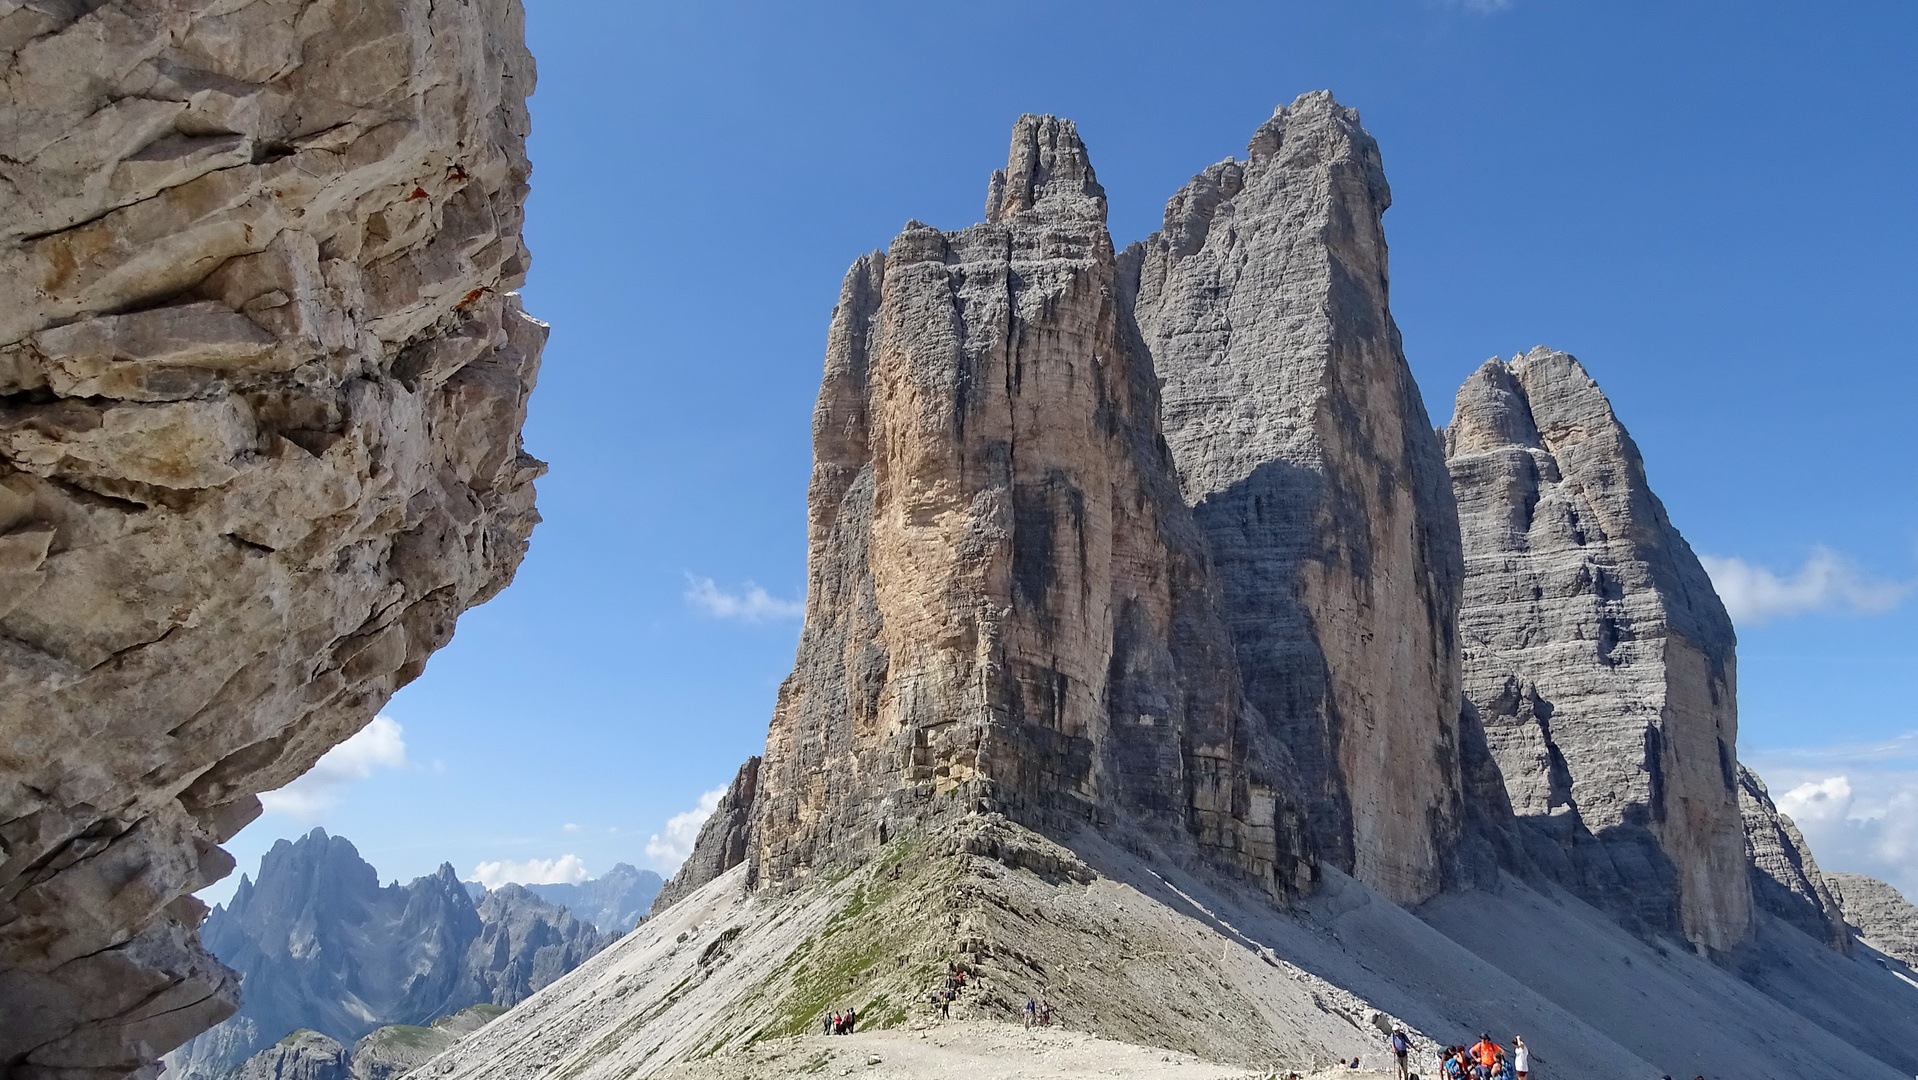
x: 378, y: 745
x: 567, y: 869
x: 1856, y: 804
x: 669, y: 848
x: 570, y: 827
x: 1827, y: 582
x: 751, y: 604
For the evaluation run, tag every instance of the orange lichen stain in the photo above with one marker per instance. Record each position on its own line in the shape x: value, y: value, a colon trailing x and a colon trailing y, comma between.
x: 418, y: 193
x: 65, y: 254
x: 471, y: 297
x: 456, y: 173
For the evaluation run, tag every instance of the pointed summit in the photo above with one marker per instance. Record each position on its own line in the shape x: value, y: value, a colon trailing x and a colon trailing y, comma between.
x: 1303, y: 447
x: 1597, y: 656
x: 1046, y: 170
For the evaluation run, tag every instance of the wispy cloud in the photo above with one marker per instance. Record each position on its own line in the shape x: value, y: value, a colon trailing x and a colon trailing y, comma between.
x: 1857, y: 805
x: 567, y: 869
x: 668, y: 848
x: 1826, y: 582
x: 1480, y: 7
x: 378, y: 745
x: 750, y: 604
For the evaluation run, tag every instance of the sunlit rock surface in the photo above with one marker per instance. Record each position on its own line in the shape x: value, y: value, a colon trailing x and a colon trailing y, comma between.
x: 1304, y: 448
x: 262, y: 377
x: 1597, y: 656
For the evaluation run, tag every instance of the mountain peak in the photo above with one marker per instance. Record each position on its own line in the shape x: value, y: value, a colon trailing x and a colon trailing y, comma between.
x: 1047, y: 172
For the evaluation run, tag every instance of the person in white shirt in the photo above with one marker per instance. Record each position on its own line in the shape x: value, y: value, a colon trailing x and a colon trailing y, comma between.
x: 1521, y: 1057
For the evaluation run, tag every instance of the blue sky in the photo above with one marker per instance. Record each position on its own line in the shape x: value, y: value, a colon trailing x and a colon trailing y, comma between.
x: 1710, y: 203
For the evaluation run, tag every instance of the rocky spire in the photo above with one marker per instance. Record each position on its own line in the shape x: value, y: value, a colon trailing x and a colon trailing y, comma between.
x: 1009, y: 608
x: 1304, y: 448
x: 1597, y: 655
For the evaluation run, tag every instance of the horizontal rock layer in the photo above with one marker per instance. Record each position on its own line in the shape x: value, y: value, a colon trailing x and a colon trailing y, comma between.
x: 1009, y: 607
x: 1303, y: 445
x: 1879, y: 914
x: 1597, y: 657
x: 262, y: 377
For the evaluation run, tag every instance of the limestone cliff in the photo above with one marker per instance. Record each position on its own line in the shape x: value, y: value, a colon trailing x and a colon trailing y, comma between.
x: 1879, y: 913
x: 262, y: 377
x: 1597, y: 656
x: 1785, y: 878
x: 1009, y: 608
x: 1303, y: 445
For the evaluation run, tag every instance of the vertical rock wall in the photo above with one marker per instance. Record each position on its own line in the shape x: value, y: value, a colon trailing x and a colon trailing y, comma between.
x: 1009, y: 608
x: 262, y: 377
x: 1597, y: 655
x: 1303, y: 445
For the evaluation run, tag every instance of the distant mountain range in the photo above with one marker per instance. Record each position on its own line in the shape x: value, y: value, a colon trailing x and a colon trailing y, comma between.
x: 614, y: 902
x: 322, y: 946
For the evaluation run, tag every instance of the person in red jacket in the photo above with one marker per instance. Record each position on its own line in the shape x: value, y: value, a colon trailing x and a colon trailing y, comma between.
x: 1485, y: 1054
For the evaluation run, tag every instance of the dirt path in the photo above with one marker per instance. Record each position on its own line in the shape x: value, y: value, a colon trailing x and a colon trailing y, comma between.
x: 963, y: 1050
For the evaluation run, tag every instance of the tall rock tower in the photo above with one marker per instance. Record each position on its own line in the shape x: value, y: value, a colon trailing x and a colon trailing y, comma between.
x: 1597, y: 655
x: 1304, y: 448
x: 1009, y: 608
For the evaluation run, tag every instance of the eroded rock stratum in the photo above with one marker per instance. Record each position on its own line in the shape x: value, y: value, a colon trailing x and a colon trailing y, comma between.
x: 262, y: 377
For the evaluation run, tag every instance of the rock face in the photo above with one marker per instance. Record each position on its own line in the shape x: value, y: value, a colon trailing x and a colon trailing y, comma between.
x: 1597, y: 656
x: 1785, y: 878
x: 723, y: 839
x: 323, y: 946
x: 262, y: 377
x: 1303, y: 445
x: 397, y: 1049
x: 303, y: 1055
x: 1879, y: 913
x: 614, y: 902
x: 1009, y: 607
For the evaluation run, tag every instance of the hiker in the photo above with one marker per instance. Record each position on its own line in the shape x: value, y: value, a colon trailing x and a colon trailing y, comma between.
x: 1521, y: 1058
x: 1453, y: 1067
x: 1401, y: 1046
x: 852, y: 1020
x: 828, y: 1022
x: 1485, y: 1054
x: 1032, y: 1012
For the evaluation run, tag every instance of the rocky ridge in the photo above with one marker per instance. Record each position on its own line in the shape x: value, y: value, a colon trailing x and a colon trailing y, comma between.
x: 1878, y: 913
x: 614, y: 902
x: 322, y: 946
x: 302, y: 1055
x: 262, y: 377
x: 1785, y: 878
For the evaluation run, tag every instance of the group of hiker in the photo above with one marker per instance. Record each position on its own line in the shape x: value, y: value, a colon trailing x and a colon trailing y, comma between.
x: 1483, y: 1060
x: 841, y: 1023
x: 942, y: 998
x: 1038, y: 1013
